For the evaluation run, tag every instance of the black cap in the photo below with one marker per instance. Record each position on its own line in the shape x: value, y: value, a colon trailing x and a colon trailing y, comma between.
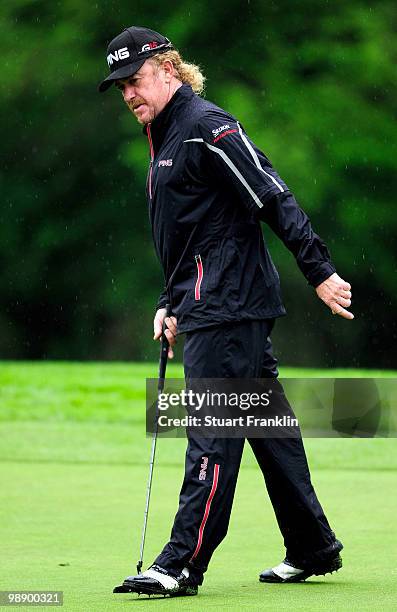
x: 129, y: 51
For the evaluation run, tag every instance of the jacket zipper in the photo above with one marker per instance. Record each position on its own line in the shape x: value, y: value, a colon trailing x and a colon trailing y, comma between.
x: 151, y: 160
x: 200, y: 272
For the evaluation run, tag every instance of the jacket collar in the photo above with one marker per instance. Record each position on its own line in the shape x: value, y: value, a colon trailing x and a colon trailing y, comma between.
x: 170, y: 113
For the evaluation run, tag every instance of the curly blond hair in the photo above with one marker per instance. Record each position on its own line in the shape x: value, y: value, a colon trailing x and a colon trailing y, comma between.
x: 187, y: 73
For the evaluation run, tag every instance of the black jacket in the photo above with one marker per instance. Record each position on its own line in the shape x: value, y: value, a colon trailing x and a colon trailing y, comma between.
x: 208, y: 188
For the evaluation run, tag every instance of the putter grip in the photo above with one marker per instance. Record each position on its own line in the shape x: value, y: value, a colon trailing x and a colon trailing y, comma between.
x: 164, y: 349
x: 167, y: 314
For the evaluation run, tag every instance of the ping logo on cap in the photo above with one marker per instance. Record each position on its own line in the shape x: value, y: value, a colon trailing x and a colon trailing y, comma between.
x: 118, y: 55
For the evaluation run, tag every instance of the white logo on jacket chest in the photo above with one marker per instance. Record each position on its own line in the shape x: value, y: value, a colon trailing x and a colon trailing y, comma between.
x: 165, y: 162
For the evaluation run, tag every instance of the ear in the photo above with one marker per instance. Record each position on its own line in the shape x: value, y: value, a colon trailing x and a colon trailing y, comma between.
x: 169, y: 70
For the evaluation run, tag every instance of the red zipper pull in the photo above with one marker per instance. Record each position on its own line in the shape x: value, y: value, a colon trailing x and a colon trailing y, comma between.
x: 151, y: 159
x: 200, y: 273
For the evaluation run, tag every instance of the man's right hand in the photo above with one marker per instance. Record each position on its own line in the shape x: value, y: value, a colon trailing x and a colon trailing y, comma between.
x: 170, y: 332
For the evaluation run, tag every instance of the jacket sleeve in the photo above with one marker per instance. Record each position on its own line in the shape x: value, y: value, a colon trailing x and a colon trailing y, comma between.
x: 232, y: 155
x: 234, y: 161
x: 291, y: 224
x: 162, y: 301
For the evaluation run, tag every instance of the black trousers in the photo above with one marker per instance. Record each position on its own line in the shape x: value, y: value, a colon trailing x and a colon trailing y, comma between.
x: 241, y: 350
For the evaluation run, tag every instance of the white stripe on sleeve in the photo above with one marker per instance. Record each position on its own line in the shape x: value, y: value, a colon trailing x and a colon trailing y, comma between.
x: 233, y: 168
x: 256, y: 158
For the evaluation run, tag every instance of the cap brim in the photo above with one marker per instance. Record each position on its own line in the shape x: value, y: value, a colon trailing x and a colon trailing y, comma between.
x: 121, y: 73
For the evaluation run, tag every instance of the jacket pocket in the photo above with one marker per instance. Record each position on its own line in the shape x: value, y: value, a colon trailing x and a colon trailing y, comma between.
x: 199, y: 277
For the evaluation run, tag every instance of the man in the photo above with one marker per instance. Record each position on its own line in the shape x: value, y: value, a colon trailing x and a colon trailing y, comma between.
x: 208, y: 188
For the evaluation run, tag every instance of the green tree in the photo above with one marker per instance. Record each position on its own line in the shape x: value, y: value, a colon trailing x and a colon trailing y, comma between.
x: 314, y: 85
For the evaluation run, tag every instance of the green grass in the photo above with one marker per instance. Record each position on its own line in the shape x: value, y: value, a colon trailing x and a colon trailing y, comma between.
x: 73, y: 469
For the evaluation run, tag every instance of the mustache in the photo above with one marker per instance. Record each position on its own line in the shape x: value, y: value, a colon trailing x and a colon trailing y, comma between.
x: 135, y: 103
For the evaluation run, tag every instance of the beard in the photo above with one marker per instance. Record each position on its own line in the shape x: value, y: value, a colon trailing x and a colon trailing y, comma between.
x: 133, y: 105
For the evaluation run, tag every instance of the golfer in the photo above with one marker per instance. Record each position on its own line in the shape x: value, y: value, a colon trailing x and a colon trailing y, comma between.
x: 208, y: 189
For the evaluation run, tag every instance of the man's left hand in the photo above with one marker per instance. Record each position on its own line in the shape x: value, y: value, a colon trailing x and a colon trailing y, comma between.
x: 336, y: 293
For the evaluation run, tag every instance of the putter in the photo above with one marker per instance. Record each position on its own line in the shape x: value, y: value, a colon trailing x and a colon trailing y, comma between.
x: 160, y: 387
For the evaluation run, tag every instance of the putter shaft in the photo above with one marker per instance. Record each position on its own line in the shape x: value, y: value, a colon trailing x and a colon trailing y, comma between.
x: 162, y: 369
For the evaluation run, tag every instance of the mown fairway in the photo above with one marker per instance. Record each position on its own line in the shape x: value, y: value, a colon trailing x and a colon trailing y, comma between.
x: 73, y: 469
